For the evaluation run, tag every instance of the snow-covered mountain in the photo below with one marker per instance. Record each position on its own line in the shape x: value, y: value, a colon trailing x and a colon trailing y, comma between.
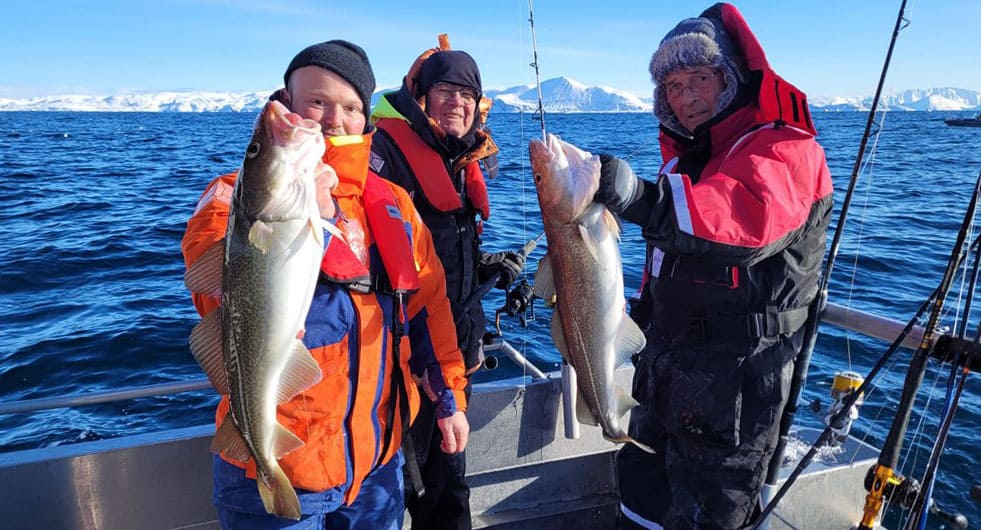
x: 942, y: 99
x: 566, y: 95
x: 184, y: 101
x: 560, y: 94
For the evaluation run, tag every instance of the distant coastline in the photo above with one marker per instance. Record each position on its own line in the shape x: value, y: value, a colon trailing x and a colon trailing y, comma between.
x: 560, y: 95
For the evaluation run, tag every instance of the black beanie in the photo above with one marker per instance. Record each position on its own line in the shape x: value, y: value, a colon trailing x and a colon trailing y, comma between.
x: 344, y: 59
x: 448, y: 66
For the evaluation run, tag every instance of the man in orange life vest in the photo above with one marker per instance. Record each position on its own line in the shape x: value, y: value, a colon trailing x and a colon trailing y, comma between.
x: 430, y: 142
x: 348, y: 472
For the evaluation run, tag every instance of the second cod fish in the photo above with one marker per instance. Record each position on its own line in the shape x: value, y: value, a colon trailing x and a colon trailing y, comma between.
x: 582, y: 274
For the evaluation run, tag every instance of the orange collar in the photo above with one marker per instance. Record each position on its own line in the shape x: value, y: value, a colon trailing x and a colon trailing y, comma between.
x: 348, y: 155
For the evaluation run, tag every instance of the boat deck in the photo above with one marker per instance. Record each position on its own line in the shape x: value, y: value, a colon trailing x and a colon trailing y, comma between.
x: 523, y: 471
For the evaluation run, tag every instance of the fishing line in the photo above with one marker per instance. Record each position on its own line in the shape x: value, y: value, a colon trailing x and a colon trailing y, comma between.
x: 868, y: 169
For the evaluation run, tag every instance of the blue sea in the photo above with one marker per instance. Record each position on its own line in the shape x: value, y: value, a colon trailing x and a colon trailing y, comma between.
x: 93, y: 207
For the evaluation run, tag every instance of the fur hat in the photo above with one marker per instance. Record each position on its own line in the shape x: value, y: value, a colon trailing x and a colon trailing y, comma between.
x: 695, y: 42
x: 448, y: 66
x: 344, y: 59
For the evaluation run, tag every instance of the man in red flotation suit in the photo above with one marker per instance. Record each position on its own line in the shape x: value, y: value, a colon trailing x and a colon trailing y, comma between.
x: 381, y: 284
x: 735, y: 225
x: 430, y: 142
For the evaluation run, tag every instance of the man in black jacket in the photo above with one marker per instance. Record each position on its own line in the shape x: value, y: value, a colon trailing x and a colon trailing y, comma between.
x: 735, y: 225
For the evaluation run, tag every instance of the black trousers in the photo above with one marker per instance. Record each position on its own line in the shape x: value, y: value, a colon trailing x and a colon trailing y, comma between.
x: 446, y: 503
x: 711, y: 410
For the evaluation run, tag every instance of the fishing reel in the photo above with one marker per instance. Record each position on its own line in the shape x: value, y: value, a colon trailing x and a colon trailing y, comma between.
x: 899, y: 489
x: 844, y: 385
x: 520, y: 301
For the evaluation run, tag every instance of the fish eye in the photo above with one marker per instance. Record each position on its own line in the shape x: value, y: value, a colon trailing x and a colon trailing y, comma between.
x: 253, y: 150
x: 538, y: 178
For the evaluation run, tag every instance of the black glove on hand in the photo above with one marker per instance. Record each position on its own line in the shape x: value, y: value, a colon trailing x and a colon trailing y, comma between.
x: 508, y: 263
x: 619, y: 187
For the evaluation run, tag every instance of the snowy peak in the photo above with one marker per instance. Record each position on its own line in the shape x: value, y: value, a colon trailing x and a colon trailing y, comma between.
x: 943, y: 99
x: 176, y: 101
x: 563, y: 94
x: 560, y: 94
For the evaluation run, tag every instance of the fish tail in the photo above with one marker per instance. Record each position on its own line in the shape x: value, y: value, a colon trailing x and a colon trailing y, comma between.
x: 641, y: 446
x: 278, y: 496
x: 623, y: 438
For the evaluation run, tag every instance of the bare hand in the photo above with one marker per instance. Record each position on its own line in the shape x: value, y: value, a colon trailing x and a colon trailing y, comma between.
x: 456, y: 430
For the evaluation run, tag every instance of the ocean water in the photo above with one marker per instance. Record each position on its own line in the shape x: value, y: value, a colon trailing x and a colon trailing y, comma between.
x: 93, y: 207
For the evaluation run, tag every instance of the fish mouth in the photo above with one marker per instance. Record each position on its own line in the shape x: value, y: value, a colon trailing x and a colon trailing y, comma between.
x: 286, y: 125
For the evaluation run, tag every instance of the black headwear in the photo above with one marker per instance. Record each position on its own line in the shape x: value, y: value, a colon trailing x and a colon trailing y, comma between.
x: 344, y: 59
x: 448, y: 66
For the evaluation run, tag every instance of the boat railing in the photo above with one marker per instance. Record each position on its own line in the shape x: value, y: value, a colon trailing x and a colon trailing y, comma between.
x: 202, y: 383
x: 841, y: 316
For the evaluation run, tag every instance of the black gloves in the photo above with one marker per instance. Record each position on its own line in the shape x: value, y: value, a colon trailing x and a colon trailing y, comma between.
x: 619, y: 187
x: 508, y: 263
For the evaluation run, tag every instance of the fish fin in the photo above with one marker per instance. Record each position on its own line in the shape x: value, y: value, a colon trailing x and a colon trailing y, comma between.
x: 332, y: 229
x: 261, y: 235
x: 624, y: 402
x: 558, y: 338
x: 317, y: 227
x: 612, y: 223
x: 630, y: 340
x: 204, y: 275
x: 284, y: 442
x: 583, y: 414
x: 300, y: 373
x: 588, y: 241
x: 544, y: 282
x: 206, y: 347
x: 228, y: 439
x: 278, y: 496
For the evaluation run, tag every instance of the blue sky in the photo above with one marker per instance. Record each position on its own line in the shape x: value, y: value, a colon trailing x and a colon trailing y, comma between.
x: 827, y: 47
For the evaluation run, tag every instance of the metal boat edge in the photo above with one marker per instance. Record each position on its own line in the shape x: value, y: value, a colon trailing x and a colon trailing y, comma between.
x: 523, y: 471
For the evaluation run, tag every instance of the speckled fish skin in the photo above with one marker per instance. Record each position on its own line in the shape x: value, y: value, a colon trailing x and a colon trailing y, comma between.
x: 590, y: 326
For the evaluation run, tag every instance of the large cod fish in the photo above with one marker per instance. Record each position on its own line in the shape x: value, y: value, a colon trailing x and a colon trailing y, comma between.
x: 583, y: 275
x: 265, y: 271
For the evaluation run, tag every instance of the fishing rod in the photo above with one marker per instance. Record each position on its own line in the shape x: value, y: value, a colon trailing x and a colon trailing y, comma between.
x: 921, y: 504
x: 883, y: 473
x: 850, y: 399
x: 820, y: 301
x: 538, y: 76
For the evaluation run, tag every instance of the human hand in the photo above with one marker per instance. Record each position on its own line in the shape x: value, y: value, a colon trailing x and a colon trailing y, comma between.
x: 455, y: 430
x: 619, y: 187
x: 508, y: 263
x: 325, y: 181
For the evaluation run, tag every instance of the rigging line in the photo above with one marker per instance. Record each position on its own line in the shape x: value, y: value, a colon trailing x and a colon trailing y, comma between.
x: 869, y: 170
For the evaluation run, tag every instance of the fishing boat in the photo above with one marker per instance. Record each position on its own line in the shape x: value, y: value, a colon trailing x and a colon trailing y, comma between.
x: 525, y: 472
x: 964, y: 122
x: 530, y: 464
